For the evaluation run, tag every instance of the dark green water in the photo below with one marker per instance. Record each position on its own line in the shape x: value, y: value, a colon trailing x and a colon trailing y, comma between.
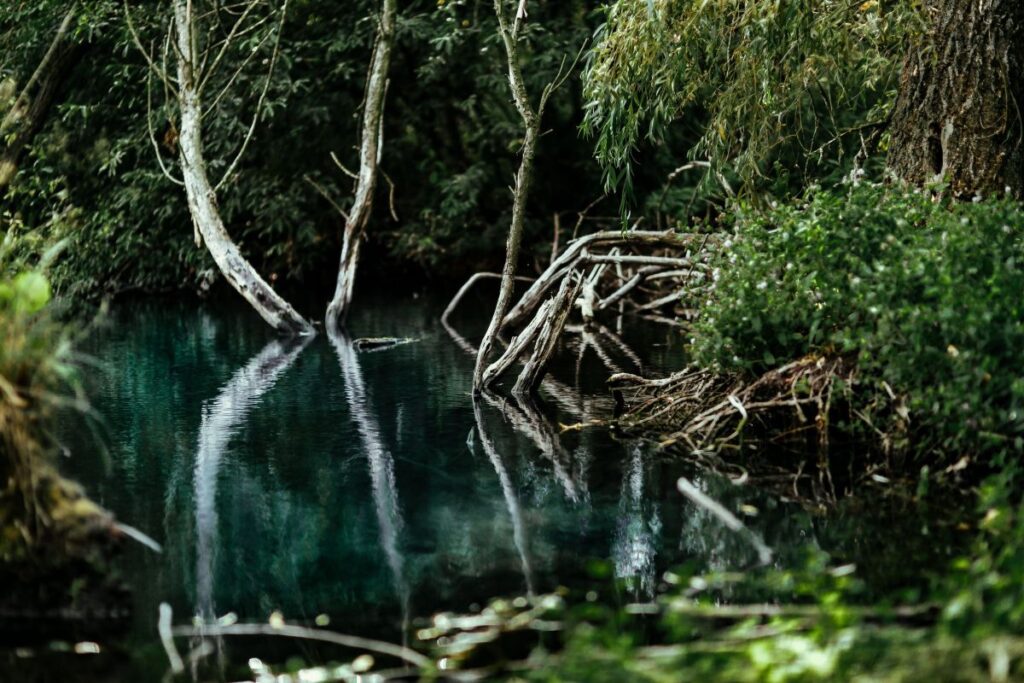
x: 309, y: 478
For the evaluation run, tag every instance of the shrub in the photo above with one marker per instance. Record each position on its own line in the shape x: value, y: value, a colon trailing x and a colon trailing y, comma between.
x: 924, y: 293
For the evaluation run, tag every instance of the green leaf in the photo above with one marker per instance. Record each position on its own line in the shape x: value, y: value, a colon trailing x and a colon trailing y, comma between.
x: 31, y: 292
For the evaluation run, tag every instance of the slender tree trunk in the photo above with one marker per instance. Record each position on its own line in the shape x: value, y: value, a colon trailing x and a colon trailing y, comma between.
x: 202, y: 199
x: 30, y: 109
x: 531, y: 129
x: 369, y: 158
x: 958, y: 113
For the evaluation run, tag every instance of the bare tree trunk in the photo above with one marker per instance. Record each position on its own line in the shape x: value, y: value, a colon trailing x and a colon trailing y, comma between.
x: 958, y: 113
x: 29, y: 111
x: 202, y: 198
x: 369, y: 158
x: 531, y: 127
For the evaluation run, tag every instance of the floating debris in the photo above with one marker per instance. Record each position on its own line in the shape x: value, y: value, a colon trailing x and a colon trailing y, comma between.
x: 367, y: 344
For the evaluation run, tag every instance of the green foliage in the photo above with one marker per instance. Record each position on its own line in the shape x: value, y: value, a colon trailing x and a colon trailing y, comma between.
x: 775, y: 91
x: 919, y: 291
x: 451, y: 141
x: 808, y: 623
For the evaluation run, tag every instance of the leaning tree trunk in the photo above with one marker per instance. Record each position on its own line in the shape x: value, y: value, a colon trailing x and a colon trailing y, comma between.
x: 958, y: 113
x: 369, y: 158
x: 29, y: 112
x: 531, y: 131
x: 202, y: 199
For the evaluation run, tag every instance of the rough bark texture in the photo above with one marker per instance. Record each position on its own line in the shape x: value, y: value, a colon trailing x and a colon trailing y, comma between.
x: 535, y: 367
x: 202, y: 199
x: 531, y: 130
x: 958, y: 113
x: 369, y: 157
x: 33, y: 104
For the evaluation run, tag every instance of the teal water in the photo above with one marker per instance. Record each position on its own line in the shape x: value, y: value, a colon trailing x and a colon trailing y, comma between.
x: 309, y: 478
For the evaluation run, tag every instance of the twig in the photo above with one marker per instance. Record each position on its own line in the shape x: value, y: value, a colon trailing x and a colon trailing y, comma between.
x: 303, y: 633
x: 325, y: 195
x: 138, y: 43
x: 259, y: 102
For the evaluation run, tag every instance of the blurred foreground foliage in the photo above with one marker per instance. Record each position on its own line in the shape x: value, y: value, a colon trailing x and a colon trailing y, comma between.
x: 55, y: 544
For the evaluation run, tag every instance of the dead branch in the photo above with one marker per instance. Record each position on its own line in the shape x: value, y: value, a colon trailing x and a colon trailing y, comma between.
x: 518, y: 345
x: 533, y: 296
x: 476, y: 277
x: 544, y: 346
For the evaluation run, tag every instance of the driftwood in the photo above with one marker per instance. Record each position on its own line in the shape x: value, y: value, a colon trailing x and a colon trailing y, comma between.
x: 368, y: 344
x: 518, y: 345
x: 547, y: 338
x: 671, y: 278
x: 579, y: 249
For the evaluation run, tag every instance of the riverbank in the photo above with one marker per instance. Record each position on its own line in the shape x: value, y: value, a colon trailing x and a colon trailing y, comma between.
x: 56, y: 546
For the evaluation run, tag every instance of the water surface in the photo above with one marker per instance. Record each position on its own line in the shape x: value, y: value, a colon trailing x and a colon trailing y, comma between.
x: 310, y: 478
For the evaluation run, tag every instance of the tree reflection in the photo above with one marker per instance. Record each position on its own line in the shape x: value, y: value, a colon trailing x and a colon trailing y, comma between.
x: 221, y: 419
x: 638, y: 527
x: 382, y: 467
x: 509, y: 492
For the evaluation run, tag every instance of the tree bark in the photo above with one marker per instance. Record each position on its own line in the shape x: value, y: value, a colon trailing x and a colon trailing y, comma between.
x: 958, y: 113
x: 369, y: 158
x: 531, y: 130
x: 29, y: 111
x: 202, y: 198
x: 544, y: 346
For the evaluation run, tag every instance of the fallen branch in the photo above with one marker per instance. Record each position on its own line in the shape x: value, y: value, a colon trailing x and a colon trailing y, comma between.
x: 533, y: 296
x: 518, y: 345
x: 554, y: 322
x: 303, y: 633
x: 476, y: 277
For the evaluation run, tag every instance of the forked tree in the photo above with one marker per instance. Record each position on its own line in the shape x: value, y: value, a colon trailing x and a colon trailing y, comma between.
x: 509, y: 31
x: 199, y: 56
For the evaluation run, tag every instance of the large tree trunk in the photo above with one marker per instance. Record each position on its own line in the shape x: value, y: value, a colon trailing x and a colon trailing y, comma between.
x: 202, y: 199
x: 29, y: 111
x: 369, y: 158
x: 958, y: 113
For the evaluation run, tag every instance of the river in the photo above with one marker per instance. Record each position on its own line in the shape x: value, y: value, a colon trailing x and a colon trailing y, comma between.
x: 312, y: 479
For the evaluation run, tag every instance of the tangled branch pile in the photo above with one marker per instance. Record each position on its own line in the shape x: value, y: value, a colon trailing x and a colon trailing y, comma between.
x: 708, y: 411
x: 602, y: 274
